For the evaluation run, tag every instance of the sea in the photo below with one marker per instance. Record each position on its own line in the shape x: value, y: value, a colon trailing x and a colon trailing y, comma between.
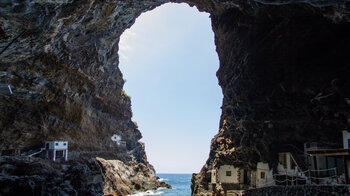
x: 181, y: 185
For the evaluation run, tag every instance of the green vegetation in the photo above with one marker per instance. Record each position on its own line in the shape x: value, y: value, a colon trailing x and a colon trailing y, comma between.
x: 143, y: 145
x: 135, y: 123
x: 123, y: 93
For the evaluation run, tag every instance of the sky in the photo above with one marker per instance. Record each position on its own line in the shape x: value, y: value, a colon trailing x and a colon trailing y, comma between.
x: 169, y: 62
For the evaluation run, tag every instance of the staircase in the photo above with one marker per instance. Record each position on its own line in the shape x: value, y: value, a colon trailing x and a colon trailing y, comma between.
x: 35, y: 152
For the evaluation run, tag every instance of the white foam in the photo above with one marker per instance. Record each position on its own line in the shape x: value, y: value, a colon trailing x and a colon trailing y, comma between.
x: 149, y: 192
x: 162, y: 179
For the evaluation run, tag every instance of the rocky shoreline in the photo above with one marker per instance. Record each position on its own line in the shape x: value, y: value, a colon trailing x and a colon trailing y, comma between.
x: 84, y: 176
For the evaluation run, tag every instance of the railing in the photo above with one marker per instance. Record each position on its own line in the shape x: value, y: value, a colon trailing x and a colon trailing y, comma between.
x: 290, y: 179
x: 34, y: 152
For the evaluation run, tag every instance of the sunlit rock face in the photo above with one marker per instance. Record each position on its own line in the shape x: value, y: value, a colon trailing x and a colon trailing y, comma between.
x: 283, y: 71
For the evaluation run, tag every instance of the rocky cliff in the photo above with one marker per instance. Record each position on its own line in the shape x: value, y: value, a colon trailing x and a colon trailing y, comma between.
x: 283, y: 71
x: 60, y: 60
x: 285, y: 79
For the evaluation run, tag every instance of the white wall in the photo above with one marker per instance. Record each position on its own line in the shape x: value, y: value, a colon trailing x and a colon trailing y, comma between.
x: 346, y: 136
x: 60, y: 145
x: 228, y: 179
x: 268, y: 180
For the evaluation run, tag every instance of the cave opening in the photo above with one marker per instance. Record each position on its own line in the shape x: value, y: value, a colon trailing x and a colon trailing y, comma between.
x: 169, y: 63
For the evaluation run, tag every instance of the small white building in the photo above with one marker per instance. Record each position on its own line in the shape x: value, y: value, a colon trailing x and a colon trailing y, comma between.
x: 228, y: 174
x: 228, y: 177
x: 119, y: 141
x: 56, y: 150
x: 287, y: 167
x: 264, y: 175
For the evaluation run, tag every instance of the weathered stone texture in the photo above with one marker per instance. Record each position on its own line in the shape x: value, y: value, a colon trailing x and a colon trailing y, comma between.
x: 283, y: 71
x: 285, y: 79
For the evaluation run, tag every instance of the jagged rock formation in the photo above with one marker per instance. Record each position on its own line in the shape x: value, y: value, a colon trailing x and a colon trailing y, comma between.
x: 86, y: 176
x: 32, y: 176
x: 136, y: 176
x: 60, y: 58
x: 283, y: 71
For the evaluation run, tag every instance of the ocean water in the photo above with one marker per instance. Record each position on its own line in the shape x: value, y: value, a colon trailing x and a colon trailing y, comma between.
x: 181, y: 184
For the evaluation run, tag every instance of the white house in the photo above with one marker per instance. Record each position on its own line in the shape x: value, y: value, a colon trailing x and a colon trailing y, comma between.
x: 228, y: 174
x: 264, y: 175
x: 56, y: 150
x: 228, y: 177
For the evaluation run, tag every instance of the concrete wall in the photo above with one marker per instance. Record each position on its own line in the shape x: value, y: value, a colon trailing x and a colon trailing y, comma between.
x: 346, y: 136
x: 228, y: 179
x: 339, y: 190
x: 267, y: 179
x: 60, y: 145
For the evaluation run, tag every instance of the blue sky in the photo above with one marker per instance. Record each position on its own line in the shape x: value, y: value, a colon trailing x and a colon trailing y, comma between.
x: 169, y: 61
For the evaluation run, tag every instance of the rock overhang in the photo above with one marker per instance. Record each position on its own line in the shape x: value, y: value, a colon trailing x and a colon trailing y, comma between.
x: 275, y: 56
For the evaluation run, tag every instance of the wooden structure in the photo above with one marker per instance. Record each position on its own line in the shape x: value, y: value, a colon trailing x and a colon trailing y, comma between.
x: 336, y: 153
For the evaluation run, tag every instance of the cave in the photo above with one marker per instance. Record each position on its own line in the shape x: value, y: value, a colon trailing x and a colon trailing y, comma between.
x: 169, y: 64
x: 283, y: 72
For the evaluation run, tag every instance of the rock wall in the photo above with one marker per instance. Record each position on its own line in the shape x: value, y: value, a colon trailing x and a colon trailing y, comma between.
x: 84, y: 176
x: 283, y: 72
x: 129, y: 178
x: 32, y: 176
x: 285, y: 79
x: 60, y: 59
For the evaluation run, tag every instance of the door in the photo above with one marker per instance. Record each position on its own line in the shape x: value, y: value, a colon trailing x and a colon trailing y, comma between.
x: 245, y: 177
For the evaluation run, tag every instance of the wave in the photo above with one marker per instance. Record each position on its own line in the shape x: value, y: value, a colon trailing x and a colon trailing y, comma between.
x: 149, y: 192
x: 162, y: 179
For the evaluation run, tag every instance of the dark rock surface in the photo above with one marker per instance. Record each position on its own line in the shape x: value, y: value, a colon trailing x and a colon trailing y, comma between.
x: 285, y: 78
x: 83, y: 176
x: 32, y: 176
x: 339, y: 190
x: 284, y: 73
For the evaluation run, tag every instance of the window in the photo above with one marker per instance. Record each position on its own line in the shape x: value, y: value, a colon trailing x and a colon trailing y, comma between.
x: 56, y: 144
x: 64, y: 144
x: 262, y: 175
x: 228, y: 173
